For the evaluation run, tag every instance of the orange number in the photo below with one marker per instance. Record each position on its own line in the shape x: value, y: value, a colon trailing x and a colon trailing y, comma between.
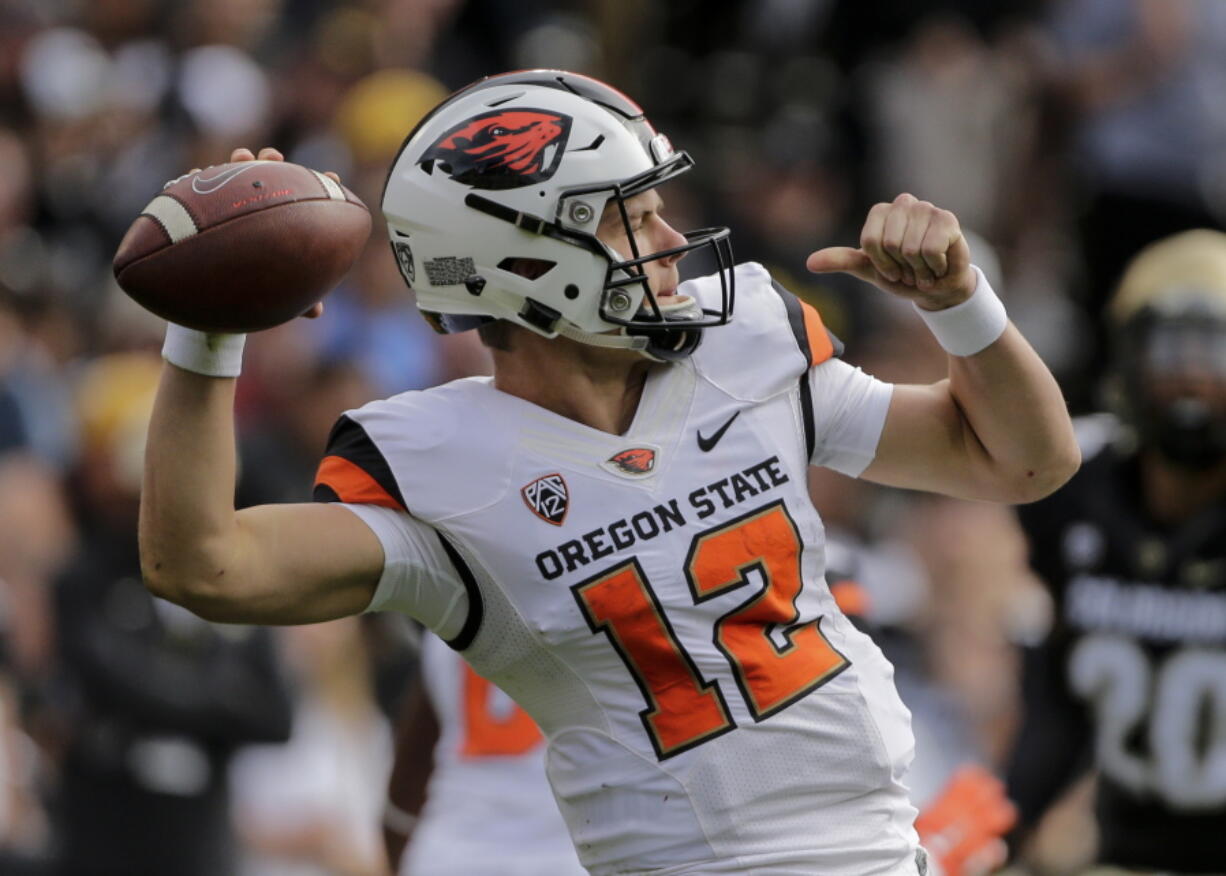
x: 683, y: 710
x: 771, y: 675
x: 490, y: 735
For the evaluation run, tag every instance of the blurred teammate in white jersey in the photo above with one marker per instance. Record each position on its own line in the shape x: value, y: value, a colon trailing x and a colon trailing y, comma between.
x: 614, y: 529
x: 477, y: 761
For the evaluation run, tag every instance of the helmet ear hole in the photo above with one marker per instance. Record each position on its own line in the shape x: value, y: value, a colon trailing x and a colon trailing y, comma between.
x: 531, y: 269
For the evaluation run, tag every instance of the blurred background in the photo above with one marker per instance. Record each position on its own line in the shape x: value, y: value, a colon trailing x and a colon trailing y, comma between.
x: 1065, y: 134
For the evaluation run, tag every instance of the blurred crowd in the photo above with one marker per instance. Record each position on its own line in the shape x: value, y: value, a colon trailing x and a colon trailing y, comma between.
x: 1065, y: 134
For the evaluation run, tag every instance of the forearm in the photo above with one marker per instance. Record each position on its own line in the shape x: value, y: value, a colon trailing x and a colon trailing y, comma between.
x: 187, y: 517
x: 997, y: 429
x: 417, y: 733
x: 1014, y: 416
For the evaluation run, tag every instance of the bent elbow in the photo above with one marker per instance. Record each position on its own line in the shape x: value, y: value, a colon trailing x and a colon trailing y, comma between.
x: 1040, y: 482
x: 193, y: 592
x: 161, y: 581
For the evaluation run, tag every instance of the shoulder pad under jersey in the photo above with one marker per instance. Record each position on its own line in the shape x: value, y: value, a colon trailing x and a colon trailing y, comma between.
x: 773, y: 337
x: 438, y: 445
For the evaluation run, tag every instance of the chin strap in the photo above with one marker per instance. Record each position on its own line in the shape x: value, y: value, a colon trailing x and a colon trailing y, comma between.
x: 616, y: 341
x: 649, y: 346
x: 676, y: 343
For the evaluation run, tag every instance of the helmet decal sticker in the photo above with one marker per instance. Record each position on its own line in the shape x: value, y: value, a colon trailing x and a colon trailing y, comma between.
x: 449, y: 270
x: 404, y: 260
x: 503, y: 149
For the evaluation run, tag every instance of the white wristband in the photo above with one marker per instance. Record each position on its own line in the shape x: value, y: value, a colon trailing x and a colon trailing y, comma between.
x: 967, y: 328
x: 208, y: 353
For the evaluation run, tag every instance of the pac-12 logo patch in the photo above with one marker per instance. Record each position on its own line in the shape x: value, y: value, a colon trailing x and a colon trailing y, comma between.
x: 634, y: 463
x: 503, y: 149
x: 547, y: 498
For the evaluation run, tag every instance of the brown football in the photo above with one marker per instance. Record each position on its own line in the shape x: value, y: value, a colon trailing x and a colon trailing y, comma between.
x: 241, y: 247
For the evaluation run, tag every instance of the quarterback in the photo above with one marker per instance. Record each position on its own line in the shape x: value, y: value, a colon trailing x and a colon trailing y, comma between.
x: 615, y: 529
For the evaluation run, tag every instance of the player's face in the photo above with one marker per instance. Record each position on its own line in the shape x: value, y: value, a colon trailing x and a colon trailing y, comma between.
x: 651, y: 234
x: 1186, y: 360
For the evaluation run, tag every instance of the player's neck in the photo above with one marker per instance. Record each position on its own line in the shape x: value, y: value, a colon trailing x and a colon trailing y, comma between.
x: 1174, y: 494
x: 598, y: 387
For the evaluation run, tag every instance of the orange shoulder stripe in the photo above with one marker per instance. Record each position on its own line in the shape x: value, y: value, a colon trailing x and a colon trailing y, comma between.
x: 820, y: 346
x: 352, y: 484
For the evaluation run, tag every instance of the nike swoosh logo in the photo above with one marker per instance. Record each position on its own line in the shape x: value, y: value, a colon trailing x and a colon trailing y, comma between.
x: 706, y: 444
x: 207, y: 185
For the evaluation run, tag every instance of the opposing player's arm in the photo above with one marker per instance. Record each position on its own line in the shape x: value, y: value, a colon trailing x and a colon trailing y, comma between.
x: 273, y: 564
x: 997, y: 428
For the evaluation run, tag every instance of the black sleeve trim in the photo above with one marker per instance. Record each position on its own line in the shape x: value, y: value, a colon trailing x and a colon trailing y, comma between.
x: 796, y: 320
x: 836, y: 343
x: 324, y: 493
x: 349, y: 441
x: 476, y: 606
x: 806, y: 415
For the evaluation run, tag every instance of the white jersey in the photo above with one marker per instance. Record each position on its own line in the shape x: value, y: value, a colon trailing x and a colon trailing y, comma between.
x: 656, y: 600
x: 489, y: 810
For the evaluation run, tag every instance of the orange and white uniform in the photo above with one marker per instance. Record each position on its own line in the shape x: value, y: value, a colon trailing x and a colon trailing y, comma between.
x: 656, y: 600
x: 489, y: 810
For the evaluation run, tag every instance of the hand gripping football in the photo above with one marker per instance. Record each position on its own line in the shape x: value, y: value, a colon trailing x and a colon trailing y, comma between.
x: 241, y: 247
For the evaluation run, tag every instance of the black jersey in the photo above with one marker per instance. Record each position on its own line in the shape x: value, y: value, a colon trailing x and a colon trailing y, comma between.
x: 1132, y: 678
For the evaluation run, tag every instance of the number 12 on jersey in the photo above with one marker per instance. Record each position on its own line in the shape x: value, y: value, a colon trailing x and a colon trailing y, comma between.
x: 683, y: 709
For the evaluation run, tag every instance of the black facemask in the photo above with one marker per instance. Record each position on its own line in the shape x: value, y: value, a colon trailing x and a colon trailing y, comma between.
x: 1185, y: 432
x: 1186, y: 428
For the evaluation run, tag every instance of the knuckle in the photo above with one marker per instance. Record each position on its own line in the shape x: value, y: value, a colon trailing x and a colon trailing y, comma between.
x: 876, y: 215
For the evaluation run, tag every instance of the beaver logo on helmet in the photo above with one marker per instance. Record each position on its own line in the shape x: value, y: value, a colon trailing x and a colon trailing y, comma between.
x: 503, y: 149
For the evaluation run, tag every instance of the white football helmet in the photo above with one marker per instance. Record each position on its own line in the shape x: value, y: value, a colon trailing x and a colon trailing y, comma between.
x: 521, y: 167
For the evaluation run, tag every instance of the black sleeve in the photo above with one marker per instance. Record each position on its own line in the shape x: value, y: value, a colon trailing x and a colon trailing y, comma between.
x: 1053, y: 744
x: 217, y: 685
x: 1040, y: 521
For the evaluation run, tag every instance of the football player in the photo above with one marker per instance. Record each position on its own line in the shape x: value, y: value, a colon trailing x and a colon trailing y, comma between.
x: 1132, y: 678
x: 467, y: 792
x: 615, y: 529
